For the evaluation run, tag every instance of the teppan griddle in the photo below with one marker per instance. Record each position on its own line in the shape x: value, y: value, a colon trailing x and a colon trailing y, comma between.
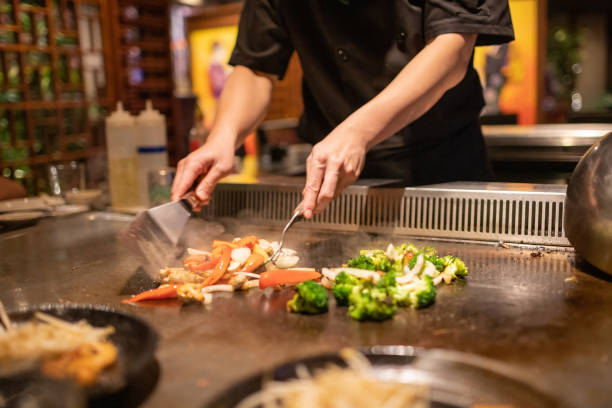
x: 534, y: 307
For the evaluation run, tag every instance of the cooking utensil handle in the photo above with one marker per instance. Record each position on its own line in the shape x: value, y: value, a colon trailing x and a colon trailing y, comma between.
x: 300, y: 208
x: 190, y: 201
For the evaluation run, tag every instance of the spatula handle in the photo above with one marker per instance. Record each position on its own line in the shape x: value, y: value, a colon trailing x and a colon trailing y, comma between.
x: 191, y: 202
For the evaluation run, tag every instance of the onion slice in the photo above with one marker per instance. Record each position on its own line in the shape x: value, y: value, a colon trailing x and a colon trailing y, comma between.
x: 217, y: 288
x: 249, y: 274
x: 193, y: 251
x: 356, y: 272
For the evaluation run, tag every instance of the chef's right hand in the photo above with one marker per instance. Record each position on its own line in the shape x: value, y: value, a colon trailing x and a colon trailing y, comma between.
x: 214, y: 160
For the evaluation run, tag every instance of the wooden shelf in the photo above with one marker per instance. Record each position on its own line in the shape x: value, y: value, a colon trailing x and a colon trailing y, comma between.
x: 55, y: 157
x: 156, y: 23
x: 24, y: 47
x: 67, y: 33
x: 47, y: 121
x: 33, y: 9
x: 29, y: 105
x: 70, y: 50
x: 151, y: 65
x: 151, y: 4
x: 9, y: 27
x: 145, y: 46
x: 71, y: 87
x: 52, y: 105
x: 152, y: 85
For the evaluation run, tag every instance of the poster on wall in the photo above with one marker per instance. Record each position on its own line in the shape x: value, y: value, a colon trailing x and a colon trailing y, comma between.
x: 210, y: 50
x: 509, y: 72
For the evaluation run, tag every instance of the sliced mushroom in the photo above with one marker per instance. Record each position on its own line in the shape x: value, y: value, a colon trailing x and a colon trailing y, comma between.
x: 237, y: 281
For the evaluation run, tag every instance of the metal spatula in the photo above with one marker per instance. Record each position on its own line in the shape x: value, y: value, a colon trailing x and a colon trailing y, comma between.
x: 155, y: 232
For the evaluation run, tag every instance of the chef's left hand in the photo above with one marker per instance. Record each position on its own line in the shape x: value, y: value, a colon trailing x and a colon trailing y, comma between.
x: 334, y: 164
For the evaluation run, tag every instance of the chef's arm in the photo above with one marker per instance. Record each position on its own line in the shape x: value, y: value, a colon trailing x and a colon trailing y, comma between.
x: 440, y: 66
x: 242, y: 106
x: 334, y: 164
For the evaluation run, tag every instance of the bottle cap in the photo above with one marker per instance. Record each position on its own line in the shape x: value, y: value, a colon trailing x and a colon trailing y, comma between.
x: 120, y: 117
x: 150, y: 114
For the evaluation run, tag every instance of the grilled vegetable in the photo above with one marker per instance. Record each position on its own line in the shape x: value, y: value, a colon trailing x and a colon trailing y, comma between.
x: 163, y: 292
x: 437, y: 262
x: 217, y: 244
x: 374, y: 260
x: 254, y: 261
x: 419, y: 294
x: 369, y: 302
x: 286, y: 277
x: 311, y: 298
x: 423, y: 294
x: 387, y: 280
x: 453, y: 268
x: 343, y: 286
x: 190, y: 292
x: 220, y: 267
x: 203, y: 266
x: 249, y: 241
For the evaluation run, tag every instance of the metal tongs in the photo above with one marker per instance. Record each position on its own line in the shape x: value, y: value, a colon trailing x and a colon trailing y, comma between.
x: 298, y: 215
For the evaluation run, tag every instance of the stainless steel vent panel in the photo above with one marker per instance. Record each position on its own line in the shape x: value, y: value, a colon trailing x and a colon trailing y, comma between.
x: 517, y: 213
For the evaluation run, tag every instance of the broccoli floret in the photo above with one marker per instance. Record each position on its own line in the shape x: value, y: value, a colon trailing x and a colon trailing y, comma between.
x: 429, y: 251
x: 418, y: 295
x: 374, y: 260
x: 403, y: 248
x: 401, y: 296
x: 438, y: 262
x: 311, y: 298
x: 343, y: 285
x: 387, y: 280
x: 429, y: 269
x: 462, y: 270
x: 398, y: 266
x: 412, y: 262
x: 368, y: 302
x: 361, y: 262
x: 453, y: 268
x: 424, y: 294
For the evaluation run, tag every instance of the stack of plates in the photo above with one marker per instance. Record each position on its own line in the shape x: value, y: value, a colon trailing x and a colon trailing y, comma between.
x: 22, y: 212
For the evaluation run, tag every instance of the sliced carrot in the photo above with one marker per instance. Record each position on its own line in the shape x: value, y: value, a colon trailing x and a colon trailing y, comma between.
x: 163, y: 292
x: 196, y: 259
x: 220, y: 267
x: 217, y: 244
x: 286, y: 277
x: 203, y: 266
x: 260, y: 251
x: 253, y: 262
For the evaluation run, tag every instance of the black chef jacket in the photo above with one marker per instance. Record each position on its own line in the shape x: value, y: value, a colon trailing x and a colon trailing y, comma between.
x: 351, y: 49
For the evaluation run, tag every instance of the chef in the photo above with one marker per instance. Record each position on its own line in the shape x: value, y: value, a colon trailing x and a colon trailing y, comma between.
x: 389, y: 90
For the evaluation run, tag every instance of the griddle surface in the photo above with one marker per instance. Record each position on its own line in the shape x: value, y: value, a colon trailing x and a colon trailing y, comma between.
x: 514, y: 307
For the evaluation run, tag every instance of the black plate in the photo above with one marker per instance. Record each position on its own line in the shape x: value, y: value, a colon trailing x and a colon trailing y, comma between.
x: 38, y: 391
x: 135, y: 340
x: 456, y: 380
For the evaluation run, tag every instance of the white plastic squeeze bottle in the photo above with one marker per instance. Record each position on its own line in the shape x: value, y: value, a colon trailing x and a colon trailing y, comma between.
x: 122, y: 159
x: 152, y: 146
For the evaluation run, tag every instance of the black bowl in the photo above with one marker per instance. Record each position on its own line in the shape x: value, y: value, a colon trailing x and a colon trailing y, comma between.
x: 135, y: 340
x: 455, y: 380
x: 32, y: 390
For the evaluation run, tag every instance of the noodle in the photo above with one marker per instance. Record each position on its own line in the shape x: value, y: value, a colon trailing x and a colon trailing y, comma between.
x: 46, y: 336
x: 335, y: 387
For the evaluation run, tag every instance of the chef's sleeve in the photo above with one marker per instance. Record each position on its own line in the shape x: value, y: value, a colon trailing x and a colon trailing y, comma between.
x: 489, y: 19
x: 262, y: 43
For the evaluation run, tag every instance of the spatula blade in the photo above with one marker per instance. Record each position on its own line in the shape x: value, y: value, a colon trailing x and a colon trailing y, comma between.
x: 155, y: 233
